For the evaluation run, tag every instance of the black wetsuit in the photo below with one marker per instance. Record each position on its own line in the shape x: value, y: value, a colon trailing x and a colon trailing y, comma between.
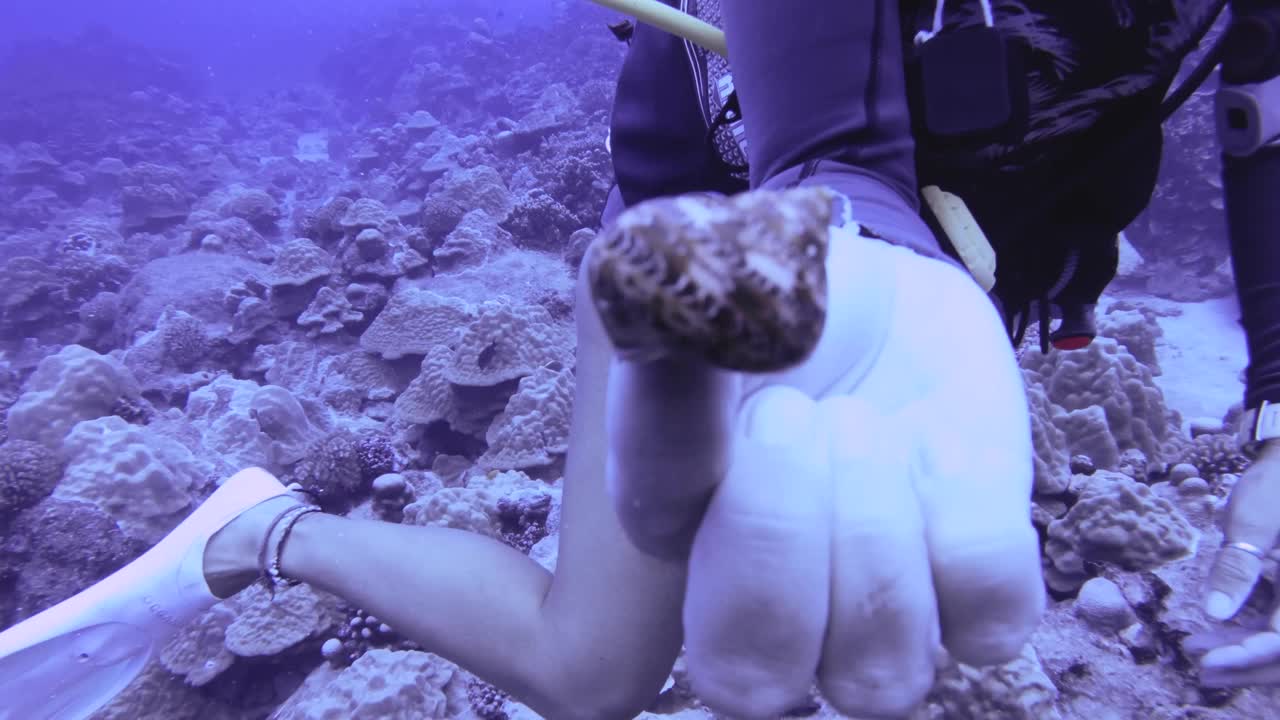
x: 823, y: 87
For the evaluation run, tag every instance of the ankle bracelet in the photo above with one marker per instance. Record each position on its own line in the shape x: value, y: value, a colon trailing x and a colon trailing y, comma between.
x: 273, y: 545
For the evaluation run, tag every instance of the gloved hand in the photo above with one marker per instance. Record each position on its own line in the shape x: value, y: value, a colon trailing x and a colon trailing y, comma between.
x: 872, y: 502
x: 1253, y: 520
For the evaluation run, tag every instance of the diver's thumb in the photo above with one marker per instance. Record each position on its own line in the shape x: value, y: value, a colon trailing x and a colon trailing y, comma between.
x: 1231, y: 579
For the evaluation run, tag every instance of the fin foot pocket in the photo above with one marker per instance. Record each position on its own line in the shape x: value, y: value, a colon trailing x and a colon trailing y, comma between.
x: 737, y: 281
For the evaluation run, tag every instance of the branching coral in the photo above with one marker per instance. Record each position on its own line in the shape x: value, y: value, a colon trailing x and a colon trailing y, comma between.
x: 486, y: 700
x: 360, y: 633
x: 523, y: 520
x: 182, y: 338
x: 1214, y: 455
x: 46, y: 546
x: 377, y: 456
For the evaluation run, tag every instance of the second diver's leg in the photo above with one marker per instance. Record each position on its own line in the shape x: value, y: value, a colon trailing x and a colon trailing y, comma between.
x: 595, y: 640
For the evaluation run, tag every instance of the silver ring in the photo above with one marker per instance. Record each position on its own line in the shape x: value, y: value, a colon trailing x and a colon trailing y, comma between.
x: 1250, y: 548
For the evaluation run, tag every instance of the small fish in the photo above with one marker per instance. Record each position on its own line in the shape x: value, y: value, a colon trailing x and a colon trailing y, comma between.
x: 70, y: 676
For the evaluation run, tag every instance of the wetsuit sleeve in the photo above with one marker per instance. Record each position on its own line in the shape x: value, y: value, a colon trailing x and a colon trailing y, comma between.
x: 1255, y: 257
x: 657, y: 131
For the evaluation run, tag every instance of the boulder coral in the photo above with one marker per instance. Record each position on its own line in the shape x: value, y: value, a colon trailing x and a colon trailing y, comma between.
x: 1118, y: 521
x: 71, y: 386
x: 145, y: 481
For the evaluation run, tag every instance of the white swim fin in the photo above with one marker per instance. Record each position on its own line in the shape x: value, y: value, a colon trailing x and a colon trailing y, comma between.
x: 71, y: 659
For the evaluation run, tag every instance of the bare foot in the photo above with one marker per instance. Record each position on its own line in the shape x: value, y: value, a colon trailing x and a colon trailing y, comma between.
x: 231, y: 555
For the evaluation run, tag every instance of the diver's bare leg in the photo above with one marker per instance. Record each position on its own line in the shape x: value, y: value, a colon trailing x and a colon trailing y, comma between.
x: 596, y: 640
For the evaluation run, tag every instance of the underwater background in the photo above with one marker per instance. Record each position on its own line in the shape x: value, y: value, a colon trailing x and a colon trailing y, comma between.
x: 337, y: 240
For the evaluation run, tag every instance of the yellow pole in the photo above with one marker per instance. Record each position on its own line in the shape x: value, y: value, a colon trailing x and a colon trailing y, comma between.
x: 665, y: 17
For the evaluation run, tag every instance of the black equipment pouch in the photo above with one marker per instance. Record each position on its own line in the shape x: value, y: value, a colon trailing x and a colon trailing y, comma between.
x: 973, y: 85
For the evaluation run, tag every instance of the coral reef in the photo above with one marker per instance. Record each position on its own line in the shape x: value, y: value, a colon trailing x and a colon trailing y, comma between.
x: 375, y: 299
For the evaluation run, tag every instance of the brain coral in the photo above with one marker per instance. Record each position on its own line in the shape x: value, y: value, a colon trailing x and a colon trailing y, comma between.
x: 74, y: 385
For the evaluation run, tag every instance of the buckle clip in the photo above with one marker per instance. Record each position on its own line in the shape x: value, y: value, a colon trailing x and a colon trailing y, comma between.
x: 1259, y: 426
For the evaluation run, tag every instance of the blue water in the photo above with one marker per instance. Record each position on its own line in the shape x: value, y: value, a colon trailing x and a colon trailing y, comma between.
x: 244, y: 45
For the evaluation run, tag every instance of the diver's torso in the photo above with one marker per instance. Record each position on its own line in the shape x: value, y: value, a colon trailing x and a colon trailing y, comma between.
x: 1087, y: 62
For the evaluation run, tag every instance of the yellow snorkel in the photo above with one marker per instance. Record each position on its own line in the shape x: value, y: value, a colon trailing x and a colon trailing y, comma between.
x: 665, y: 17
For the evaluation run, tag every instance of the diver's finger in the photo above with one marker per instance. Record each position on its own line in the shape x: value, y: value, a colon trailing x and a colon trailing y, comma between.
x: 1250, y: 527
x: 757, y: 597
x: 1225, y: 678
x: 882, y: 636
x: 973, y: 475
x: 1255, y: 650
x: 1216, y: 636
x: 669, y: 424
